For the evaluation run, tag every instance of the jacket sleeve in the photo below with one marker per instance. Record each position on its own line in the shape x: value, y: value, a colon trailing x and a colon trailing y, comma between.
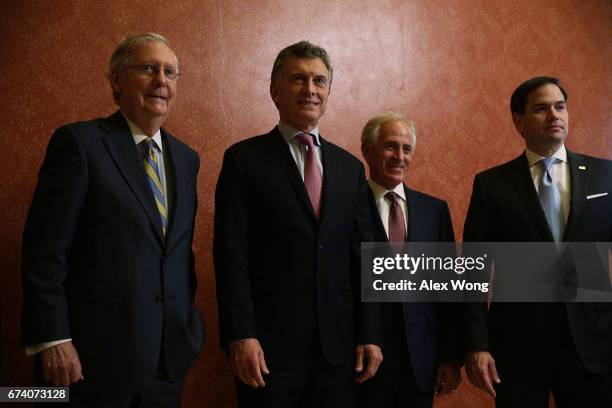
x: 49, y: 231
x: 230, y: 252
x: 476, y: 229
x: 369, y: 329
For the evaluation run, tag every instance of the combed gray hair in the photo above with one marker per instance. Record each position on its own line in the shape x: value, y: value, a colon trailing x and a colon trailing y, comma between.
x: 371, y: 130
x: 302, y: 49
x: 122, y: 56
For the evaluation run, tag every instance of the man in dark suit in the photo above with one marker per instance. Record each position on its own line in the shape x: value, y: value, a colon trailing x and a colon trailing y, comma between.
x: 289, y: 218
x: 521, y: 352
x: 108, y: 269
x: 420, y: 344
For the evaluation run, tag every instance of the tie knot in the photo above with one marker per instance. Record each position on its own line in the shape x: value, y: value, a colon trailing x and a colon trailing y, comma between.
x: 547, y: 163
x: 392, y: 196
x: 306, y: 139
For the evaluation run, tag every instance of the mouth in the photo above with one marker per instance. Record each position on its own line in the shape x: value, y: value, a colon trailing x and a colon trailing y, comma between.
x: 158, y: 97
x: 395, y: 168
x: 308, y: 103
x: 555, y: 128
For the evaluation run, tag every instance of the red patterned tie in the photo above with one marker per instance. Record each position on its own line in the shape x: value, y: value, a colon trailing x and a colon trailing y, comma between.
x: 397, y: 224
x: 312, y: 175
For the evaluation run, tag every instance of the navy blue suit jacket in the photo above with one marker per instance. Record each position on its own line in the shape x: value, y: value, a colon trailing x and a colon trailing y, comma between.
x: 96, y: 265
x: 430, y: 329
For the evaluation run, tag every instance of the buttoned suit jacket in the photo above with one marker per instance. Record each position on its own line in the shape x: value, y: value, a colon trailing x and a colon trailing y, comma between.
x: 282, y: 276
x: 505, y: 208
x: 430, y: 329
x: 96, y: 265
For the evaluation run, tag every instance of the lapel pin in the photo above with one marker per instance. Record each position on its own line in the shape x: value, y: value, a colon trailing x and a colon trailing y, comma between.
x: 582, y: 167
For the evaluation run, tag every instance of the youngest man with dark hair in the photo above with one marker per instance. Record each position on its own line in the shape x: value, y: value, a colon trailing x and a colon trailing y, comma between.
x: 520, y: 352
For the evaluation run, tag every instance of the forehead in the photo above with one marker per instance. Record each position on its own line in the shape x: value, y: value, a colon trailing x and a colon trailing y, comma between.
x: 549, y: 93
x: 396, y: 131
x: 314, y: 66
x: 151, y: 51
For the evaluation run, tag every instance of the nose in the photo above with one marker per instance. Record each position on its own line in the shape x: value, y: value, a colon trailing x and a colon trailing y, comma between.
x: 553, y: 113
x: 399, y: 154
x: 309, y: 87
x: 160, y: 77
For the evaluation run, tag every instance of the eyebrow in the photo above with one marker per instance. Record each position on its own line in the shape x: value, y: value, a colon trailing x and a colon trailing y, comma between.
x: 540, y: 104
x: 393, y: 143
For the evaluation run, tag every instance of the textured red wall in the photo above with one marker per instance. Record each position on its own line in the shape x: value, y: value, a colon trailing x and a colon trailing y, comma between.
x: 449, y: 65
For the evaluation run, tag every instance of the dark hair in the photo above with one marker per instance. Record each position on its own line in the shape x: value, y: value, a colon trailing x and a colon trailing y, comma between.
x: 519, y: 98
x: 302, y: 49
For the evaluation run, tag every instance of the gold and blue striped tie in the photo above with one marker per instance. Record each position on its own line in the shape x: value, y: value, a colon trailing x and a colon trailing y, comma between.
x: 152, y: 169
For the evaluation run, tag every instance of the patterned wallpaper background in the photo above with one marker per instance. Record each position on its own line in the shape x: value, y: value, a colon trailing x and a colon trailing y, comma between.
x: 449, y: 65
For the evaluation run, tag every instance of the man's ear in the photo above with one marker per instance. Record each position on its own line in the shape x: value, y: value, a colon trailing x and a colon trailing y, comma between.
x: 365, y: 150
x: 114, y: 82
x: 517, y: 118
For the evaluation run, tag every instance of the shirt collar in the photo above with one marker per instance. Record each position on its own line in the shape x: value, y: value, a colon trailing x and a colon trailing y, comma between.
x: 139, y: 135
x: 289, y: 133
x: 533, y: 158
x: 379, y: 191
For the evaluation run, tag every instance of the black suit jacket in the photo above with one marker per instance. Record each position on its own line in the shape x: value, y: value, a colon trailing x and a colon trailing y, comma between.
x: 505, y: 208
x: 282, y: 276
x: 96, y: 265
x: 430, y: 329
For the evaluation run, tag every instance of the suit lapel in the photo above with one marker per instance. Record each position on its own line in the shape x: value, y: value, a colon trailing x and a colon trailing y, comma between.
x: 280, y: 151
x: 579, y: 178
x: 175, y: 167
x: 380, y: 235
x: 331, y: 175
x: 125, y: 154
x: 414, y: 208
x: 521, y: 178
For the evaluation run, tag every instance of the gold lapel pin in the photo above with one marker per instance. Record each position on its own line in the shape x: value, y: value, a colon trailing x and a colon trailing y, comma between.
x: 582, y: 167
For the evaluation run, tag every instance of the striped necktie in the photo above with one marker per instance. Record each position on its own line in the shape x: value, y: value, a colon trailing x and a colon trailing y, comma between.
x: 152, y: 169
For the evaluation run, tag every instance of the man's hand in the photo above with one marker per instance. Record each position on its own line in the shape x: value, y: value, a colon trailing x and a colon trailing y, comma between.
x: 61, y: 364
x: 247, y: 360
x: 448, y: 377
x: 481, y: 370
x: 373, y: 357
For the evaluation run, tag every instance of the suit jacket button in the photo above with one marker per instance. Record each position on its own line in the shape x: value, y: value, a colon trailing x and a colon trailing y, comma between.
x: 165, y: 261
x: 158, y: 298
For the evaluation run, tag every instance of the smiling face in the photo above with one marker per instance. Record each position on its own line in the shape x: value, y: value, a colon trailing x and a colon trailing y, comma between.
x: 388, y: 159
x: 146, y: 99
x: 545, y: 123
x: 300, y: 92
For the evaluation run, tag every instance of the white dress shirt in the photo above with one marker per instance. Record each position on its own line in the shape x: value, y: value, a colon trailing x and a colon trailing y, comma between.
x: 384, y: 205
x: 298, y: 149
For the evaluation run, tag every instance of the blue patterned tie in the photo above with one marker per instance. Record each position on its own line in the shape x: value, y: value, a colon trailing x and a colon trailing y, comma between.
x: 550, y: 198
x: 152, y: 169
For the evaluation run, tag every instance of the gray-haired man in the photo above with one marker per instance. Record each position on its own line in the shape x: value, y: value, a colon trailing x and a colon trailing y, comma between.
x: 108, y: 269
